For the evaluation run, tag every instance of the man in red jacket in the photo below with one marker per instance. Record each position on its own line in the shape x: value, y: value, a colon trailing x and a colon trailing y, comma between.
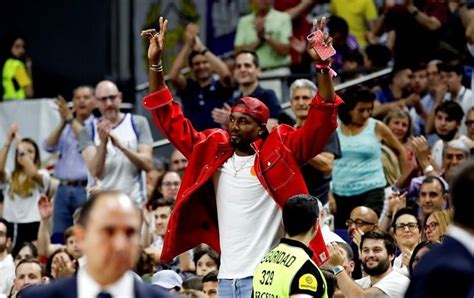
x: 237, y: 180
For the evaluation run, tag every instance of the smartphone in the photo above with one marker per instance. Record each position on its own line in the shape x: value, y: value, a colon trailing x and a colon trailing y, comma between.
x: 317, y: 38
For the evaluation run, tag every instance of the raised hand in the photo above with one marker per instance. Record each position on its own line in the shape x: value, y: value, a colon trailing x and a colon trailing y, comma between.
x: 45, y: 207
x: 63, y: 109
x: 12, y: 133
x: 396, y: 202
x: 190, y: 34
x: 327, y: 40
x: 157, y: 41
x: 336, y: 255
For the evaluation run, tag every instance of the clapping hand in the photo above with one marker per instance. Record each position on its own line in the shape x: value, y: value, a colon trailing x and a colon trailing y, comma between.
x: 63, y: 109
x: 157, y: 41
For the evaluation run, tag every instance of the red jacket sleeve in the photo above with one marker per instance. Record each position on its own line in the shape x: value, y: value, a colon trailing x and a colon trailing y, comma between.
x: 169, y: 118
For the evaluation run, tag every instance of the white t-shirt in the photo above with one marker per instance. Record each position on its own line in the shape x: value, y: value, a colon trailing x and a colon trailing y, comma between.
x: 438, y: 146
x: 24, y: 210
x: 7, y: 274
x: 394, y: 284
x: 250, y: 222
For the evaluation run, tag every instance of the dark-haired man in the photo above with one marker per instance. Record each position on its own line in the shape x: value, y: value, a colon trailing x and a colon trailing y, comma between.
x: 236, y: 180
x: 432, y: 196
x: 7, y: 266
x: 246, y: 74
x: 377, y: 253
x: 108, y: 232
x: 27, y: 273
x: 203, y: 93
x: 210, y: 284
x: 287, y: 269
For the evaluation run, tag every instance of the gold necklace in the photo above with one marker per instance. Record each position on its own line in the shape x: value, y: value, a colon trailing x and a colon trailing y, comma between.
x: 245, y: 163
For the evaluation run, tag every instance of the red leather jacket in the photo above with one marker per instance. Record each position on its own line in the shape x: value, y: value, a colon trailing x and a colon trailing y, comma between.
x: 278, y: 158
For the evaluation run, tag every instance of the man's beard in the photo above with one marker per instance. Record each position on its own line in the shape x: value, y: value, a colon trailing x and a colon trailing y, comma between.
x: 242, y: 146
x: 3, y: 247
x: 381, y: 267
x: 448, y: 137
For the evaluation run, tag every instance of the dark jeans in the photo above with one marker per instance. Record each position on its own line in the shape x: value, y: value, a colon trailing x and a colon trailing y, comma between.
x: 68, y: 199
x: 21, y: 233
x: 373, y: 199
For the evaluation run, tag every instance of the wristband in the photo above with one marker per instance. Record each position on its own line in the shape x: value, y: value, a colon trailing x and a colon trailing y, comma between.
x: 325, y: 69
x: 338, y: 269
x: 69, y: 120
x: 414, y: 13
x: 203, y: 52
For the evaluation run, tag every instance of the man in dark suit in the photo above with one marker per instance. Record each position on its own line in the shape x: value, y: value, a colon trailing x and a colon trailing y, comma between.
x: 448, y: 270
x: 108, y: 233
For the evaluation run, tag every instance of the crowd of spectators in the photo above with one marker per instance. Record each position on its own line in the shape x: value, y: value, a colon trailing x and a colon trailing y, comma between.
x: 383, y: 178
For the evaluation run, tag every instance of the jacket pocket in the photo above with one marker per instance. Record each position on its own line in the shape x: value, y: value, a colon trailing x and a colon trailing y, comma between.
x: 276, y: 170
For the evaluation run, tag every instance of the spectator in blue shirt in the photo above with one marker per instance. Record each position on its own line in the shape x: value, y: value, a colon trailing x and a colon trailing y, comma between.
x: 71, y: 168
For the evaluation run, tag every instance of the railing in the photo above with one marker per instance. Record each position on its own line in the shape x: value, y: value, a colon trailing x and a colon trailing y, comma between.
x: 286, y: 105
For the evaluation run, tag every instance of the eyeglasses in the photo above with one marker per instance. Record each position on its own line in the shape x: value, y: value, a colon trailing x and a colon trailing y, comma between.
x: 469, y: 122
x: 431, y: 226
x: 105, y: 98
x: 411, y: 226
x: 169, y: 183
x: 358, y: 222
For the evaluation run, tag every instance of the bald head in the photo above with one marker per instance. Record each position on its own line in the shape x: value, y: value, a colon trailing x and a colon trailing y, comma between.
x: 362, y: 218
x: 108, y: 233
x: 109, y: 99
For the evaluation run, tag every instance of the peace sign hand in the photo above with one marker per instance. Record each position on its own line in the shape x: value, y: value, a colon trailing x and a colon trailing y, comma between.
x: 157, y: 41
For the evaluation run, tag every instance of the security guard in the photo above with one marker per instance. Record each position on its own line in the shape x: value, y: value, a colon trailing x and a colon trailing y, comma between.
x: 288, y: 269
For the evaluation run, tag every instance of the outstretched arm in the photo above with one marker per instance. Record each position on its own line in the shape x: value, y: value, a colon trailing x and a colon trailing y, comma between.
x: 4, y: 151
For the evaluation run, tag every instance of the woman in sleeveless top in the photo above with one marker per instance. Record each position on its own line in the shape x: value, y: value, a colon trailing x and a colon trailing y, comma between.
x: 358, y: 177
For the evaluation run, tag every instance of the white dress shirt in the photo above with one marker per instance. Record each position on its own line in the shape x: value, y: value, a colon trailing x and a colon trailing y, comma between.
x: 87, y: 287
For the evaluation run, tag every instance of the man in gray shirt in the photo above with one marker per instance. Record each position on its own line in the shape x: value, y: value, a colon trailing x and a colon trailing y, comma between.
x: 117, y: 146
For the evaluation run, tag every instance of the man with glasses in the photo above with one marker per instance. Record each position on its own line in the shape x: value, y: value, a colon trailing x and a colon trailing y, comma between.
x: 361, y: 220
x: 117, y: 146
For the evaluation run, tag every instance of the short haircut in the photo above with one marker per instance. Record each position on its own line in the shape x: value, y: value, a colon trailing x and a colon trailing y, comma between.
x: 352, y: 96
x: 5, y: 223
x: 210, y: 276
x: 405, y: 211
x: 29, y: 261
x: 300, y: 214
x: 88, y: 206
x: 461, y: 195
x: 91, y: 89
x: 256, y: 60
x: 418, y: 67
x: 379, y: 55
x: 459, y: 145
x: 452, y: 109
x: 388, y: 240
x: 191, y: 57
x: 456, y: 68
x: 201, y: 251
x: 348, y: 249
x: 68, y: 233
x: 396, y: 114
x: 431, y: 179
x: 338, y: 25
x: 304, y: 84
x: 192, y: 283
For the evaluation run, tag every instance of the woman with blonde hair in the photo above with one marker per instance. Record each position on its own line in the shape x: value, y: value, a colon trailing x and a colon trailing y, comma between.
x: 22, y: 188
x: 436, y: 224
